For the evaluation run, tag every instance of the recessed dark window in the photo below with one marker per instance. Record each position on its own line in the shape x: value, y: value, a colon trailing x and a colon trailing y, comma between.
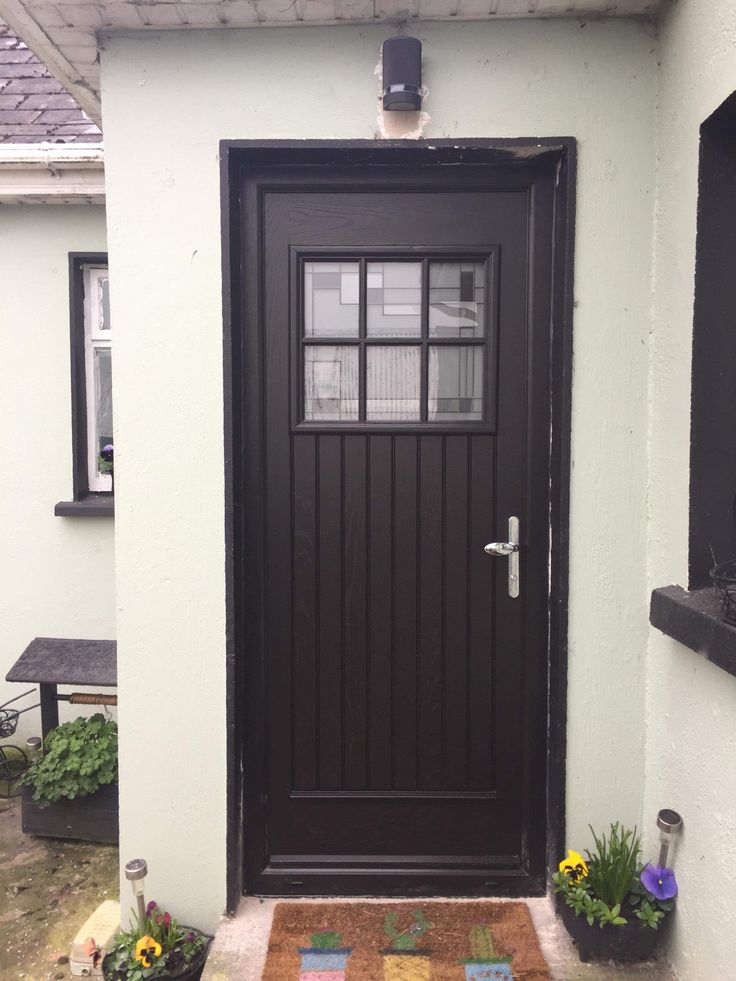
x: 91, y: 381
x: 713, y: 448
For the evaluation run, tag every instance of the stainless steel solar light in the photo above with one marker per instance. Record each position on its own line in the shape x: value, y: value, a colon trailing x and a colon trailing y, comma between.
x: 136, y: 872
x: 670, y: 824
x: 34, y: 748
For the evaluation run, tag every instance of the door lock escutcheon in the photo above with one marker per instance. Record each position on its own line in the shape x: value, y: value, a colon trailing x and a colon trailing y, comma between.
x: 509, y: 550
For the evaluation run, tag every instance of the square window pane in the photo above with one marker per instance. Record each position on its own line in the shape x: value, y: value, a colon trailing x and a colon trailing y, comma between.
x: 455, y: 385
x: 104, y: 304
x: 331, y: 299
x: 394, y: 295
x: 456, y: 299
x: 392, y: 383
x: 330, y: 382
x: 103, y: 396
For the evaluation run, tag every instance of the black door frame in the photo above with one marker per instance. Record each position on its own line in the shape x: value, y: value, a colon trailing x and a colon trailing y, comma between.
x: 559, y: 156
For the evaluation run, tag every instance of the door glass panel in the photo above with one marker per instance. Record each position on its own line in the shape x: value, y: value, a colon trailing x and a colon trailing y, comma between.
x: 455, y: 385
x: 456, y: 299
x: 394, y: 299
x: 331, y: 299
x: 330, y: 382
x: 392, y: 383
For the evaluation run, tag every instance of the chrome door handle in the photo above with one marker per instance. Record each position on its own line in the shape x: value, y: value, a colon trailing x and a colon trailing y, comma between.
x: 510, y: 549
x: 501, y: 548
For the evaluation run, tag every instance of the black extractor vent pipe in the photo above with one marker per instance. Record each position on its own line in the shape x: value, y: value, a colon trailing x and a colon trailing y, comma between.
x: 402, y: 74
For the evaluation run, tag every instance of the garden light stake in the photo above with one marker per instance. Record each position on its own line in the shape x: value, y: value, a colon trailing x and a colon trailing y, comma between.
x: 136, y: 872
x: 669, y: 823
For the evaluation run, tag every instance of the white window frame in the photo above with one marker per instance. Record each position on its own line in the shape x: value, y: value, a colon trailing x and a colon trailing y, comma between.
x: 95, y: 338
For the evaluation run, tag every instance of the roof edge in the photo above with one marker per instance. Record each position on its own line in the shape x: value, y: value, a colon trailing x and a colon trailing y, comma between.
x: 52, y: 173
x: 52, y: 156
x: 14, y: 13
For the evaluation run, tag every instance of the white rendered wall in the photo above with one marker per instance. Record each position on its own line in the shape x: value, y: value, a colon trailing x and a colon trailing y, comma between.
x: 168, y: 99
x: 691, y: 705
x: 56, y: 574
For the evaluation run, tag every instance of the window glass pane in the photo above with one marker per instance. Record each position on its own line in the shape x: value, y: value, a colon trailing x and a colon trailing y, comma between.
x: 455, y: 386
x: 394, y: 294
x: 104, y: 304
x: 456, y: 299
x: 331, y: 299
x: 392, y: 383
x: 103, y: 396
x: 330, y: 382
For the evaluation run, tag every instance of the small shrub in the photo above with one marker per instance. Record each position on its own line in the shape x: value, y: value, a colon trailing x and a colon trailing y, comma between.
x: 613, y: 881
x: 79, y: 758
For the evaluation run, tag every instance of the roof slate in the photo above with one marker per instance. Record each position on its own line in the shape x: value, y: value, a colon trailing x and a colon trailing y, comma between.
x: 34, y: 107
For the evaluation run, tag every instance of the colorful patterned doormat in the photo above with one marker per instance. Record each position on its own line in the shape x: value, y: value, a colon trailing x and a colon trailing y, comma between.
x: 411, y: 941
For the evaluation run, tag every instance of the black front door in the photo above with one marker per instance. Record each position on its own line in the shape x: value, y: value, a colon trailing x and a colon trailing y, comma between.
x: 396, y: 394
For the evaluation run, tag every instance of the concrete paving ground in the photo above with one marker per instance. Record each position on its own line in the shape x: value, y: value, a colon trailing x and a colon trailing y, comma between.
x: 48, y: 888
x: 239, y: 951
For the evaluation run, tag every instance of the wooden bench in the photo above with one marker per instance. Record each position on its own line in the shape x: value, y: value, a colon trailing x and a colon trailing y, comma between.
x: 49, y: 662
x: 52, y: 661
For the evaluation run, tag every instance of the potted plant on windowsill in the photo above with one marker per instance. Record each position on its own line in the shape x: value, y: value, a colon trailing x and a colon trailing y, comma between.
x: 615, y: 908
x: 72, y: 790
x: 106, y: 464
x: 157, y: 947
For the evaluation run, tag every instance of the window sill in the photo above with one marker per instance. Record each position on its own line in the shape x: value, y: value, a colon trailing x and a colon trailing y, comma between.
x: 694, y: 619
x: 92, y: 506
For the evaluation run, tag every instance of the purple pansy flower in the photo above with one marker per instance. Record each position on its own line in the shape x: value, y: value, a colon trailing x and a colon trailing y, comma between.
x: 107, y: 452
x: 659, y: 881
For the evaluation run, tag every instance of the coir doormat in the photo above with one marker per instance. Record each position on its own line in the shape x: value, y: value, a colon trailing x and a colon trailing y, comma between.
x: 410, y: 941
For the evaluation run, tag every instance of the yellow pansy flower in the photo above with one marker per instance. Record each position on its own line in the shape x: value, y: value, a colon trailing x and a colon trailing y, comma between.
x: 574, y: 866
x: 146, y: 950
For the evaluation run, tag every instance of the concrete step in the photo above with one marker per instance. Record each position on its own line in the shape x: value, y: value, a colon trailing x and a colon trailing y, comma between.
x: 239, y: 950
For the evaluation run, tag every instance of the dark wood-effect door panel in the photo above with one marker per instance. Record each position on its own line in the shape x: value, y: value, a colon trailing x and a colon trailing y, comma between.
x: 396, y: 714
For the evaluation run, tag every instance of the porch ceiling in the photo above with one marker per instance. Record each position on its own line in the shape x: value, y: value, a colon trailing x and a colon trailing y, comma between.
x: 63, y: 34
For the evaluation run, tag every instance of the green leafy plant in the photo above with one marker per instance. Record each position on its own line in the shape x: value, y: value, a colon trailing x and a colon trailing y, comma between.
x: 612, y: 882
x: 157, y: 947
x: 106, y: 459
x: 79, y: 758
x: 648, y: 915
x: 612, y: 865
x: 647, y: 907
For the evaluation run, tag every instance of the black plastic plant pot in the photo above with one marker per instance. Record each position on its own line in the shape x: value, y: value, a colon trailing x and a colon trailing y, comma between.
x: 629, y: 943
x: 191, y: 973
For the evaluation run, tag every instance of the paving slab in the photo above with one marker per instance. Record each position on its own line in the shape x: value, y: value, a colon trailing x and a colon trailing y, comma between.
x: 241, y: 942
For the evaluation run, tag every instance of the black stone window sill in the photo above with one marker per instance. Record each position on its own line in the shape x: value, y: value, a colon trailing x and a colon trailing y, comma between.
x: 694, y: 619
x: 91, y: 506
